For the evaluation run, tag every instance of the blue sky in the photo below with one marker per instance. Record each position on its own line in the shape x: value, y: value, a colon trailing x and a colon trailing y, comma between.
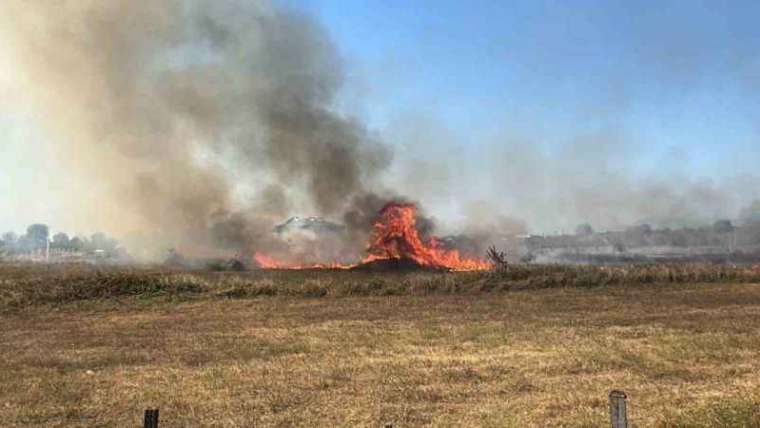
x: 678, y: 76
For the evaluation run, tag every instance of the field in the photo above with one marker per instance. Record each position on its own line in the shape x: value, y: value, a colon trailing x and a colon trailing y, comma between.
x: 530, y: 346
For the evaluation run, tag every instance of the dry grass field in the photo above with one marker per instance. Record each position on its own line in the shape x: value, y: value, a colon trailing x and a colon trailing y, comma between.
x: 538, y: 346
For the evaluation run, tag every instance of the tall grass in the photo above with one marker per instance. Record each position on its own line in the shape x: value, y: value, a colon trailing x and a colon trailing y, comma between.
x: 25, y: 285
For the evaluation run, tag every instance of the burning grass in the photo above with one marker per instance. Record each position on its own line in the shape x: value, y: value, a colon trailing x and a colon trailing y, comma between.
x: 95, y: 347
x: 394, y: 241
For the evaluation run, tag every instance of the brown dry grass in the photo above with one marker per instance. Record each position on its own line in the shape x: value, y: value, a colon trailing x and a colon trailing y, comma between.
x: 444, y: 354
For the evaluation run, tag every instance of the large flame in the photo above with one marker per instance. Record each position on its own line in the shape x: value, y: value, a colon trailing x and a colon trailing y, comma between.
x: 395, y: 237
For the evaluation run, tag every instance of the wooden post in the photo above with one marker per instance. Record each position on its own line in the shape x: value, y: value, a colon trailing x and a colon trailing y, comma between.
x: 618, y: 411
x: 151, y: 418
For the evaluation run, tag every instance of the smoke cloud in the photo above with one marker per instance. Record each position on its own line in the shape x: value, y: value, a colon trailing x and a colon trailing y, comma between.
x: 201, y: 122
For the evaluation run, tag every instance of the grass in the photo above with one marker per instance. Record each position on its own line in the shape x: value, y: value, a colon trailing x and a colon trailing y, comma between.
x: 723, y: 413
x: 541, y: 347
x: 23, y: 285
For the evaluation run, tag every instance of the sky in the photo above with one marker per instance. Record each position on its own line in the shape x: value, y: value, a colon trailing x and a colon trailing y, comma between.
x: 651, y: 89
x: 677, y: 79
x: 681, y: 74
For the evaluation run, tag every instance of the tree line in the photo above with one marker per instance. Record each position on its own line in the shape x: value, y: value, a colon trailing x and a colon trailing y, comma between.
x: 37, y: 238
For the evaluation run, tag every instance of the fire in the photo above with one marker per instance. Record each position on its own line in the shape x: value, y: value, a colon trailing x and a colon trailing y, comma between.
x: 266, y: 262
x: 395, y: 237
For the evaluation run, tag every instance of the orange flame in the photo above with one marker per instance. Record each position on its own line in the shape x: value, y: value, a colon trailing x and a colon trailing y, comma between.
x: 395, y: 237
x: 266, y: 262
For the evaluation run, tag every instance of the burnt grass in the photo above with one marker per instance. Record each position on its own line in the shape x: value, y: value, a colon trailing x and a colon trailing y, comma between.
x: 84, y: 346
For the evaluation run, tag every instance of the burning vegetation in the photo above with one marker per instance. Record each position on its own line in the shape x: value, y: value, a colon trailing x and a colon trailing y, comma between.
x: 395, y: 242
x: 395, y: 237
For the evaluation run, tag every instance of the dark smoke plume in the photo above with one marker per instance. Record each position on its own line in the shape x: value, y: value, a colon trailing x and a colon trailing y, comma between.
x: 203, y: 122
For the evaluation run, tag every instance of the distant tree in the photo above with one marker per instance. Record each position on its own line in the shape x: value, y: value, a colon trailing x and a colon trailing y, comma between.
x: 584, y: 229
x: 638, y: 236
x: 10, y: 239
x: 61, y: 240
x: 37, y: 236
x: 679, y: 238
x: 723, y: 226
x: 76, y: 243
x: 642, y: 229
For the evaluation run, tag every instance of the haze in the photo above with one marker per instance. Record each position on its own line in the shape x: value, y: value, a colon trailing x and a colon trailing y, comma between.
x: 137, y: 118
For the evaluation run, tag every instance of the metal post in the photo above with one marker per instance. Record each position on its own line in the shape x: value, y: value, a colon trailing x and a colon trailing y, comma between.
x: 618, y: 412
x: 151, y: 418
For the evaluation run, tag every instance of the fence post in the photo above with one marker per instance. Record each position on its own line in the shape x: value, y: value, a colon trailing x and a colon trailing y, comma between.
x: 151, y: 418
x: 618, y: 411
